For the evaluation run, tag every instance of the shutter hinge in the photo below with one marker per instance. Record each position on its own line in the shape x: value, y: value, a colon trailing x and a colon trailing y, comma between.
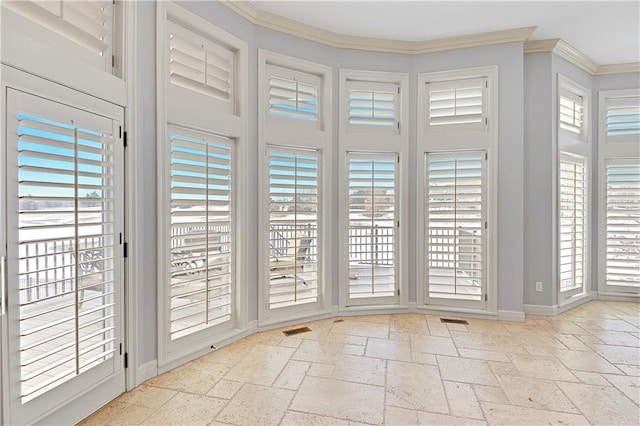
x: 126, y: 360
x: 124, y: 139
x: 398, y: 125
x: 398, y: 292
x: 120, y: 348
x: 486, y: 84
x: 125, y: 250
x: 485, y: 298
x: 113, y: 58
x: 486, y: 121
x: 486, y: 155
x: 120, y: 132
x: 398, y: 224
x: 485, y: 225
x: 398, y: 90
x: 121, y: 238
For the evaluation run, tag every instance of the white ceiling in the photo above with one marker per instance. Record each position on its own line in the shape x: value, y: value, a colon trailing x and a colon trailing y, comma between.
x: 608, y: 32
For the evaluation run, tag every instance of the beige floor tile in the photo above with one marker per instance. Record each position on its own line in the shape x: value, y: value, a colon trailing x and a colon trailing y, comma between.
x: 400, y: 416
x: 321, y: 370
x: 416, y: 387
x: 420, y: 358
x: 629, y: 370
x: 292, y: 375
x: 147, y: 396
x: 118, y: 413
x: 618, y: 354
x: 586, y: 361
x: 380, y: 319
x: 541, y: 367
x: 230, y: 354
x: 591, y: 378
x: 409, y: 323
x: 602, y: 405
x: 225, y: 389
x: 344, y: 400
x: 361, y: 328
x: 360, y: 369
x: 466, y: 370
x: 484, y: 355
x: 388, y: 349
x: 294, y: 418
x: 490, y: 394
x: 187, y: 409
x: 290, y: 342
x: 262, y: 366
x: 571, y: 342
x: 503, y: 368
x: 403, y: 337
x: 462, y: 400
x: 255, y: 404
x: 489, y: 342
x: 353, y: 349
x: 195, y: 377
x: 500, y: 414
x: 319, y: 352
x: 535, y: 393
x: 436, y: 327
x: 443, y: 419
x: 628, y: 385
x: 345, y: 338
x: 433, y: 345
x: 617, y: 338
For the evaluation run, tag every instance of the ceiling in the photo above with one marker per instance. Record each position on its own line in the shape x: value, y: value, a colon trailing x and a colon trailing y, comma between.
x: 608, y: 32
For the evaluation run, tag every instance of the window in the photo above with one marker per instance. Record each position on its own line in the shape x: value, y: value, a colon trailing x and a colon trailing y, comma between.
x: 571, y: 112
x: 295, y: 188
x: 455, y: 227
x: 373, y: 226
x: 293, y: 94
x: 622, y: 247
x: 460, y: 103
x: 293, y: 227
x: 373, y: 104
x: 622, y: 118
x: 201, y: 160
x: 572, y: 223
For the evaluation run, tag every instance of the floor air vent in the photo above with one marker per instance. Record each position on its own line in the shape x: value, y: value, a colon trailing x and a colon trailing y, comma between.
x: 338, y: 320
x: 296, y: 331
x: 454, y: 321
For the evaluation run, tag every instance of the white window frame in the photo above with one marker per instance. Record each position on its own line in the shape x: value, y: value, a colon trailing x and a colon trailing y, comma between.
x: 460, y: 139
x: 374, y: 141
x: 201, y: 113
x: 573, y: 144
x: 611, y: 148
x: 282, y: 133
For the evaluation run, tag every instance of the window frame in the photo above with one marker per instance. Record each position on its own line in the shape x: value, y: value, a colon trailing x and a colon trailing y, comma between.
x: 200, y: 113
x: 283, y: 133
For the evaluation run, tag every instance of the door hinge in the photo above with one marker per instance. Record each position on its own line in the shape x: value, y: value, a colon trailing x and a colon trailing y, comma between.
x: 126, y: 360
x: 124, y: 139
x: 125, y: 250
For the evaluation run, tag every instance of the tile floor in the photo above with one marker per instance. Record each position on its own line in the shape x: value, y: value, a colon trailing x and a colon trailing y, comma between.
x: 581, y: 367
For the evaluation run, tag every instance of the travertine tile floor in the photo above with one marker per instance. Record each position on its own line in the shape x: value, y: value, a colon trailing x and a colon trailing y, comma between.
x: 577, y: 368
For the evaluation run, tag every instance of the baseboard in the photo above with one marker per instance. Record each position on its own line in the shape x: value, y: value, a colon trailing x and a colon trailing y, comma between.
x: 413, y: 307
x: 146, y: 371
x: 308, y: 317
x: 543, y: 310
x: 372, y: 310
x: 576, y: 301
x: 618, y: 297
x: 513, y: 316
x: 455, y: 312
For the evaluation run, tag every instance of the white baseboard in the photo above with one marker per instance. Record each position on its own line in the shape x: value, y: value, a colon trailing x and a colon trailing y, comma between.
x: 514, y: 316
x: 309, y: 317
x: 455, y: 312
x: 146, y: 371
x: 576, y: 301
x: 543, y: 310
x: 413, y: 307
x: 618, y: 297
x: 372, y: 310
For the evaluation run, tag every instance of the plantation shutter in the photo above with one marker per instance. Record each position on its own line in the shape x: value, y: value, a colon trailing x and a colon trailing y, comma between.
x: 573, y: 231
x: 571, y: 112
x: 622, y: 116
x: 68, y: 270
x: 293, y: 94
x: 86, y: 23
x: 373, y: 225
x: 201, y: 252
x: 459, y: 103
x: 373, y: 104
x: 293, y: 227
x: 199, y: 64
x: 623, y: 222
x: 455, y: 226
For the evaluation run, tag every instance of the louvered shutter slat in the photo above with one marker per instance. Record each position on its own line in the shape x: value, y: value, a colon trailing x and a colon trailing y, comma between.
x: 622, y: 116
x: 456, y: 103
x: 572, y: 217
x: 291, y: 98
x: 372, y: 104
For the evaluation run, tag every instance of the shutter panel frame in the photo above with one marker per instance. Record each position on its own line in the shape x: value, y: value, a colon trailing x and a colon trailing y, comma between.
x: 293, y: 95
x: 372, y: 107
x: 457, y: 105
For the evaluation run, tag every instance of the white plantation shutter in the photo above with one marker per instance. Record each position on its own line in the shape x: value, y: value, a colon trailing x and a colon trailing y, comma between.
x: 199, y: 64
x: 623, y: 222
x: 201, y: 252
x: 455, y: 227
x: 622, y: 118
x: 86, y: 23
x: 293, y: 94
x: 571, y: 112
x: 573, y: 226
x: 68, y: 270
x: 373, y: 104
x: 373, y: 225
x: 293, y: 227
x: 460, y: 103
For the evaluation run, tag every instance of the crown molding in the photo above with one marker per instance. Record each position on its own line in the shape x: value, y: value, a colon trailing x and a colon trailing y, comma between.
x: 329, y: 38
x: 289, y: 26
x: 629, y: 67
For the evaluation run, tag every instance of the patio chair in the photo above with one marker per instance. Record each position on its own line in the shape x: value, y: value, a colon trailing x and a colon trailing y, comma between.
x: 287, y: 266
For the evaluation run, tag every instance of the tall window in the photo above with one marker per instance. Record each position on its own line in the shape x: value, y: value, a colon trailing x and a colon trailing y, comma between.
x: 574, y: 102
x: 200, y: 112
x: 456, y: 145
x: 619, y: 195
x: 374, y: 147
x: 295, y: 138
